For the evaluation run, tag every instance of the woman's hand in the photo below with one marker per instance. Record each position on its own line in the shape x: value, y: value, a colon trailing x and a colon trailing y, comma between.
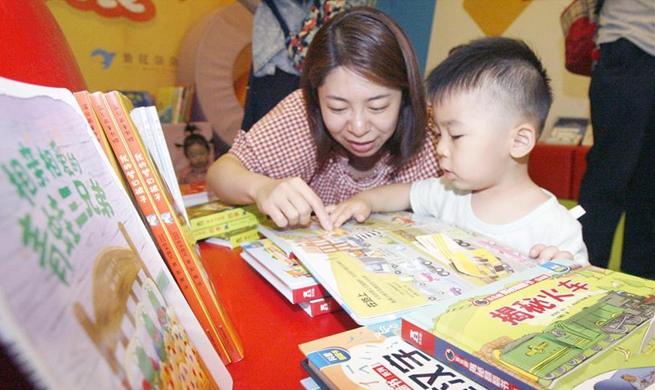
x: 545, y: 253
x: 291, y: 202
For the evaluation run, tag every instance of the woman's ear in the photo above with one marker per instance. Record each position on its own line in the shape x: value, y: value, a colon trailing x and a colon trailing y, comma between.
x: 524, y: 137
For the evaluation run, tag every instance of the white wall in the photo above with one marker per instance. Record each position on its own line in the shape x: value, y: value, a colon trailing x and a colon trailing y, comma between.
x: 539, y: 26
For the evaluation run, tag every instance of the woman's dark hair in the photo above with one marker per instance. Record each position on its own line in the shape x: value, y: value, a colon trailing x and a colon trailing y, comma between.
x: 193, y: 138
x: 372, y: 45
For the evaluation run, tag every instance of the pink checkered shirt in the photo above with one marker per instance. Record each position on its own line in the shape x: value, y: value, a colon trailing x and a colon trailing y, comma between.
x: 280, y: 146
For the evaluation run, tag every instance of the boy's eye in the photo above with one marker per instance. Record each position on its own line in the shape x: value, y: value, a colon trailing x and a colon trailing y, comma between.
x: 456, y: 136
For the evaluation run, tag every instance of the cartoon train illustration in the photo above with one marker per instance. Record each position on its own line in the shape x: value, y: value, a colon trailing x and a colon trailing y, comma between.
x: 563, y: 345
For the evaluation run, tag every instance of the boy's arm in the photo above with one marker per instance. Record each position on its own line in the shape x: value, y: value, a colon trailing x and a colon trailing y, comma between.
x: 392, y: 197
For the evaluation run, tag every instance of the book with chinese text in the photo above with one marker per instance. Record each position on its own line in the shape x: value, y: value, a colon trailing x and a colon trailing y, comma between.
x: 396, y: 262
x: 171, y: 233
x: 86, y: 300
x: 376, y: 358
x: 557, y: 326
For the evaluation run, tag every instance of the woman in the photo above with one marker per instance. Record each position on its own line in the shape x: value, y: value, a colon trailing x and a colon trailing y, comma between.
x: 359, y: 121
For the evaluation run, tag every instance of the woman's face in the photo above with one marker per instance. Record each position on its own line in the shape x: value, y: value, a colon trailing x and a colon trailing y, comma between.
x: 360, y: 115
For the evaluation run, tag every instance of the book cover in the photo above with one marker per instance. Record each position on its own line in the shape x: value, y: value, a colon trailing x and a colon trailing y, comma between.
x: 194, y: 194
x: 376, y: 358
x: 568, y: 131
x: 172, y: 236
x: 396, y: 262
x: 558, y: 326
x: 319, y: 306
x: 86, y: 301
x: 285, y: 273
x: 248, y: 221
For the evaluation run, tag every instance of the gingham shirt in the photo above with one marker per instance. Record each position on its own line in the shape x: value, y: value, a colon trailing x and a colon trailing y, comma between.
x: 280, y: 146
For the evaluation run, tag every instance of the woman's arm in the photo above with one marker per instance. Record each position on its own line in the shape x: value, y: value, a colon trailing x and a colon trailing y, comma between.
x: 288, y: 202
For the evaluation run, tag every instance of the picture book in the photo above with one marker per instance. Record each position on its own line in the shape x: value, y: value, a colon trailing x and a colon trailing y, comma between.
x: 557, y: 326
x: 139, y: 98
x: 396, y: 262
x: 284, y: 272
x: 86, y: 300
x: 376, y: 358
x: 194, y: 194
x: 218, y: 213
x: 167, y: 226
x: 568, y: 131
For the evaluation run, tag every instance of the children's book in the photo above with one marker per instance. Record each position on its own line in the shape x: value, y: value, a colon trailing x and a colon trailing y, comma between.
x: 376, y: 358
x: 86, y: 300
x: 284, y: 272
x: 194, y: 194
x: 165, y: 222
x: 557, y: 326
x: 396, y: 262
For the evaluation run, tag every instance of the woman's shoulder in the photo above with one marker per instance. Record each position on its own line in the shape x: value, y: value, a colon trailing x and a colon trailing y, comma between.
x: 424, y: 164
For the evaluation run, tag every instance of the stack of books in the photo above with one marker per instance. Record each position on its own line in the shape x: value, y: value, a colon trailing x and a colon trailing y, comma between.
x: 219, y: 223
x: 477, y: 306
x: 174, y: 103
x: 289, y: 277
x: 376, y: 357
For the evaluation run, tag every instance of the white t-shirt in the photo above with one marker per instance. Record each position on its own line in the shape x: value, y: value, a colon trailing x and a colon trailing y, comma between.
x: 549, y: 224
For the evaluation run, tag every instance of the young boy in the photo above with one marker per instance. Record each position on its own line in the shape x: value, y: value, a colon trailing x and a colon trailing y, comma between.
x: 490, y: 100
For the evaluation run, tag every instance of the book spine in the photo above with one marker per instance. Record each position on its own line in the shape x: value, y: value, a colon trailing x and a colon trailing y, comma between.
x: 320, y: 306
x: 210, y: 231
x: 173, y: 246
x: 232, y: 349
x: 248, y: 235
x: 309, y: 293
x: 462, y: 361
x: 219, y: 218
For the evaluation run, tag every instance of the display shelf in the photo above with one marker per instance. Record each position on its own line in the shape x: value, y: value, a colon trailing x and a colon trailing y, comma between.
x: 269, y: 326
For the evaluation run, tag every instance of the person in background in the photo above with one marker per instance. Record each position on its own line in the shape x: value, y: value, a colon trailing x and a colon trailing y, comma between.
x: 620, y: 174
x: 490, y: 100
x: 359, y: 121
x: 197, y: 151
x: 274, y: 74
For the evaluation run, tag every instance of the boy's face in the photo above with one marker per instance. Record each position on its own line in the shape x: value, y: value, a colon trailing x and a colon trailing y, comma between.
x: 474, y: 142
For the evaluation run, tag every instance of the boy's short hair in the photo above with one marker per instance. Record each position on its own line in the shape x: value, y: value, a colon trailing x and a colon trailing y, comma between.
x: 506, y: 68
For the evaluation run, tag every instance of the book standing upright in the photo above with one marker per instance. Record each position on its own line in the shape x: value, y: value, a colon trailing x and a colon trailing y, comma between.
x: 164, y: 221
x: 86, y: 301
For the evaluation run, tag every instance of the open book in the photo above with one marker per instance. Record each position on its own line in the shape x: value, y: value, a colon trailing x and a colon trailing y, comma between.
x: 396, y: 262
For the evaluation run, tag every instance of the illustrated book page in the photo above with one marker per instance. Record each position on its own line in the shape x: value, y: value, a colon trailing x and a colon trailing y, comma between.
x: 396, y: 262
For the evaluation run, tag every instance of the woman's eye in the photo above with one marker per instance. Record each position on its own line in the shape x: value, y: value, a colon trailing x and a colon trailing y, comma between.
x: 378, y: 109
x: 337, y: 110
x: 456, y: 136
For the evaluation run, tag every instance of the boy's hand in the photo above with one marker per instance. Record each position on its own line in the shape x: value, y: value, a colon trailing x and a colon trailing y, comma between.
x: 358, y: 209
x: 545, y: 253
x: 290, y: 202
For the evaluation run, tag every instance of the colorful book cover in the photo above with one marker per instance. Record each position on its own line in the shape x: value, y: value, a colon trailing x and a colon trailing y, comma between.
x: 396, y: 262
x: 559, y: 326
x: 376, y: 358
x: 86, y: 300
x: 139, y: 98
x: 285, y: 273
x: 568, y: 131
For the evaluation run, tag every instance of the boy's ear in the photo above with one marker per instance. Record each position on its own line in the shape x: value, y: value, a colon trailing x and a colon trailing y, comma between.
x: 524, y: 138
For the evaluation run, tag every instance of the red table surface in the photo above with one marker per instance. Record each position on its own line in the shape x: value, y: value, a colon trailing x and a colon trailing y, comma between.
x: 270, y: 327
